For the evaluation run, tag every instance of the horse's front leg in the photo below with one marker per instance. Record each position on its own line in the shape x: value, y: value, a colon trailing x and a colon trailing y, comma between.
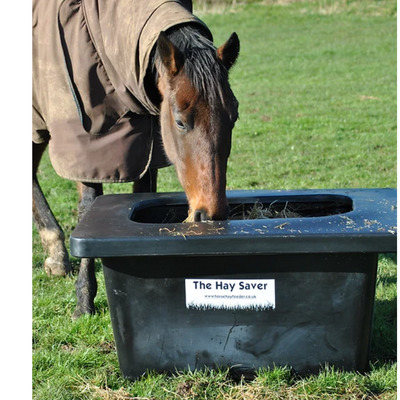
x: 86, y: 285
x: 50, y: 232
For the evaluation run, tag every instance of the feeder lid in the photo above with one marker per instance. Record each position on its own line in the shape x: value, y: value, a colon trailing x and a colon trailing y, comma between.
x: 340, y: 220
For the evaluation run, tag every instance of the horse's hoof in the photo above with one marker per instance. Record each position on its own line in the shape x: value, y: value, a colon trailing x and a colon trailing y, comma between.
x: 56, y: 268
x: 80, y: 311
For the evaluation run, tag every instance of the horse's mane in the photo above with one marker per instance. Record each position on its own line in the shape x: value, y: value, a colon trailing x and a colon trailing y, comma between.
x: 202, y: 66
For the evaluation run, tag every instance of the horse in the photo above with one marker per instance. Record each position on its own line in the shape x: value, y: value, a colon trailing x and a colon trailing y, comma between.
x: 181, y: 100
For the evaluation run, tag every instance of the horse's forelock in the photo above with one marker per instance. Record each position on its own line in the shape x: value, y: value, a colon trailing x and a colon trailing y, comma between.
x: 202, y: 66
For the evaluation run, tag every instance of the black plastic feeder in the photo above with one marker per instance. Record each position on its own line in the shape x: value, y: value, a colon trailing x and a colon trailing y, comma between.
x: 295, y: 288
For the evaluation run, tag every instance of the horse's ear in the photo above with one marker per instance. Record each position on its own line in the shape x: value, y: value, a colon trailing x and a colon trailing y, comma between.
x: 228, y: 52
x: 170, y: 55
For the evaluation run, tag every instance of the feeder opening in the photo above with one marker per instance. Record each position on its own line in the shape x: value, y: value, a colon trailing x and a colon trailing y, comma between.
x: 165, y: 211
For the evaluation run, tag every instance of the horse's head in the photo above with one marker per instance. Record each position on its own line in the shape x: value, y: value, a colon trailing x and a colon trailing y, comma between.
x: 198, y: 113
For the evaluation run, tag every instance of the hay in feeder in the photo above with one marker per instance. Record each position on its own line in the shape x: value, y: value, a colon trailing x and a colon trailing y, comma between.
x: 259, y: 211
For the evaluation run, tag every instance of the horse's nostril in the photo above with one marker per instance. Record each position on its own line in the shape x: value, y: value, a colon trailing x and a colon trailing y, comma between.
x: 201, y: 216
x: 197, y: 216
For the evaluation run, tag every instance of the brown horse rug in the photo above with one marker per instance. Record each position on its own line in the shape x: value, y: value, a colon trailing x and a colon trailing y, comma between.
x: 93, y: 100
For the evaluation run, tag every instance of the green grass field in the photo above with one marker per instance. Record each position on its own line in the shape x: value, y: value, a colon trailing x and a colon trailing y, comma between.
x: 316, y: 82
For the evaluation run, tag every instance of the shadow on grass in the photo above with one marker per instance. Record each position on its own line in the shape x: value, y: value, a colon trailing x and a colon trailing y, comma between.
x: 384, y: 333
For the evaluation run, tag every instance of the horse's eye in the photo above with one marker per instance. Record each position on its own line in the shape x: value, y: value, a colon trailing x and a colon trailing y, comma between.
x: 180, y: 125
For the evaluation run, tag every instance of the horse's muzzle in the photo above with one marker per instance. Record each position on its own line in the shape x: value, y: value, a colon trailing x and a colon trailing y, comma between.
x: 202, y: 215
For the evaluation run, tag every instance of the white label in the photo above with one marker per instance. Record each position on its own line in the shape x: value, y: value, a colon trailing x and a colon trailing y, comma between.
x: 230, y: 294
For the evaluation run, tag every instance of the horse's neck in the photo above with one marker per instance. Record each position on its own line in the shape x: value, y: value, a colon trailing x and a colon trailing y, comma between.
x: 129, y: 29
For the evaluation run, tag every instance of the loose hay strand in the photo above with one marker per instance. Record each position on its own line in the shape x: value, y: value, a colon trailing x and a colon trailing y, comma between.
x: 259, y: 211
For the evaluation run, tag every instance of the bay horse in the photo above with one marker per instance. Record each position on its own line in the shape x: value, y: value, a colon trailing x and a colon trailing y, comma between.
x: 187, y: 81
